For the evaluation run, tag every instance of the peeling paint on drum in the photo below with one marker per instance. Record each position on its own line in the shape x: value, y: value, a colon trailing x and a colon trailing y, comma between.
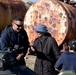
x: 56, y: 15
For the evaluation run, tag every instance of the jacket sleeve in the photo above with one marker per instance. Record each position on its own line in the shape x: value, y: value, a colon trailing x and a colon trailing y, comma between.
x: 55, y: 48
x: 4, y: 40
x: 59, y: 62
x: 26, y: 43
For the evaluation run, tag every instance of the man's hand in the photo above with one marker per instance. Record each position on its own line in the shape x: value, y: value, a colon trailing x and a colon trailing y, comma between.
x: 57, y: 70
x: 30, y: 49
x: 19, y: 56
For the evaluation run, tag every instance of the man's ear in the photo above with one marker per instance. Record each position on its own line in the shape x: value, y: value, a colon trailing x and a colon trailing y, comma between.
x: 12, y: 23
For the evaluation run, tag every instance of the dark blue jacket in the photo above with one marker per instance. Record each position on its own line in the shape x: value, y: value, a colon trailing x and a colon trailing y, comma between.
x: 9, y: 38
x: 67, y: 60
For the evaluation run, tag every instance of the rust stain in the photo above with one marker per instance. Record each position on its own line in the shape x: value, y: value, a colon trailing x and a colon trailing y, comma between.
x: 55, y: 15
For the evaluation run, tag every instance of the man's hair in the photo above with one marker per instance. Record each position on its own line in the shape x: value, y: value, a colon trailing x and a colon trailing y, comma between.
x: 18, y: 19
x: 72, y: 44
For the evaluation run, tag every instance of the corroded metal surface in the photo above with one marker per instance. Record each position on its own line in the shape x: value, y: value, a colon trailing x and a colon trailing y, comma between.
x: 56, y: 15
x: 71, y: 26
x: 9, y: 9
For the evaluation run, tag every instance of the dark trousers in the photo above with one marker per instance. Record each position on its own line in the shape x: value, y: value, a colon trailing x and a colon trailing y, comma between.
x: 19, y: 70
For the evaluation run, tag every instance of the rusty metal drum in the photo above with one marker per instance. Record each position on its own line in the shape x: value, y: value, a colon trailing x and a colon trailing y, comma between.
x: 10, y: 9
x: 59, y: 17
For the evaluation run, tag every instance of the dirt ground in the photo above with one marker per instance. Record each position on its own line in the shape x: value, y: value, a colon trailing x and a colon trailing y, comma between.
x: 30, y: 61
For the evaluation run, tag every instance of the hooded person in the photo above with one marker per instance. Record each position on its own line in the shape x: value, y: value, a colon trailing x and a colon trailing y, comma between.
x: 46, y: 49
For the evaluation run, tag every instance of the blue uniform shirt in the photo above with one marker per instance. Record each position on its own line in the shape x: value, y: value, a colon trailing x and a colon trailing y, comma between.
x: 67, y: 60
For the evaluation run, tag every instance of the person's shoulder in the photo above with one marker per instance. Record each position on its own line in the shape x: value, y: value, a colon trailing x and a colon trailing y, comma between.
x: 51, y: 39
x: 7, y: 28
x: 36, y: 39
x: 5, y: 31
x: 23, y: 31
x: 65, y: 53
